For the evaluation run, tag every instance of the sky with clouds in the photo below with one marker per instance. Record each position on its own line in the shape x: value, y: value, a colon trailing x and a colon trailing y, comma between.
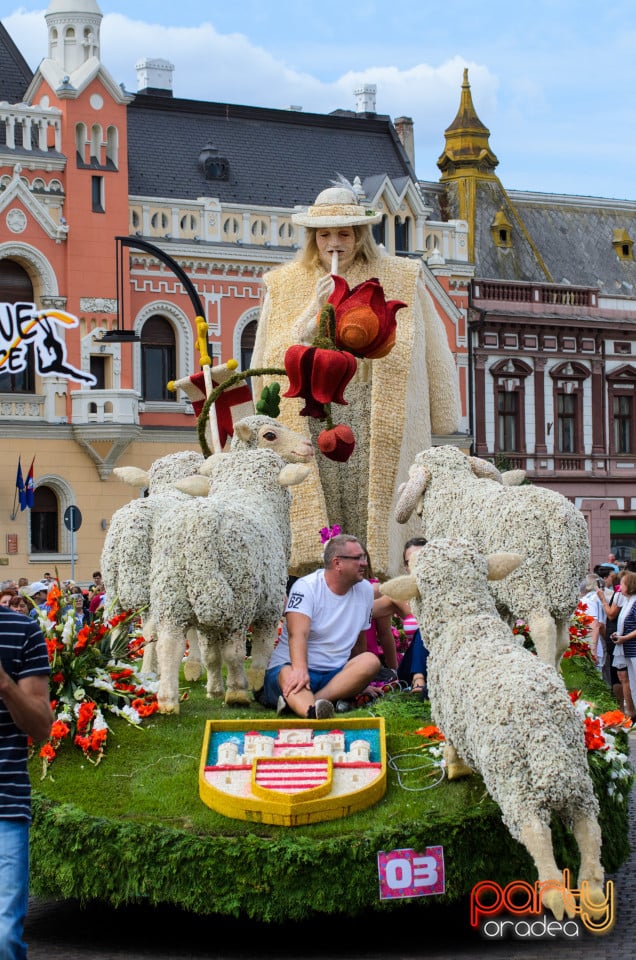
x: 551, y: 79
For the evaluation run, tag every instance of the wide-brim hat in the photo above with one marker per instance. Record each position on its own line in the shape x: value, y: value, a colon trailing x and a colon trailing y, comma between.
x: 36, y: 587
x: 336, y: 207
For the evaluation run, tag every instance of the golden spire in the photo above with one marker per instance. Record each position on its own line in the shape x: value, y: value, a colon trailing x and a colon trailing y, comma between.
x: 467, y: 148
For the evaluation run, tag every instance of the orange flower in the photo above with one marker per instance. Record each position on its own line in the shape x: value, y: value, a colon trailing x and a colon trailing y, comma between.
x: 574, y: 695
x: 47, y: 753
x: 615, y: 718
x: 59, y: 730
x: 431, y: 733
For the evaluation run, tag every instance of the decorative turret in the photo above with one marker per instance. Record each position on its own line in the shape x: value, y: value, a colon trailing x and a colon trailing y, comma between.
x: 467, y: 148
x: 73, y: 27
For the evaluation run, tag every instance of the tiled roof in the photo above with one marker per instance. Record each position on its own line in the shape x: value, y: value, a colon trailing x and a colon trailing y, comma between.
x: 15, y: 73
x: 276, y: 157
x: 572, y: 236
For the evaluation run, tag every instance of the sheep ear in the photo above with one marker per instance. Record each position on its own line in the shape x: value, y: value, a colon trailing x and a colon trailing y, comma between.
x: 400, y: 588
x: 207, y: 466
x: 410, y: 493
x: 484, y: 470
x: 242, y: 431
x: 133, y: 476
x: 194, y: 486
x: 293, y: 474
x: 501, y: 564
x: 513, y: 478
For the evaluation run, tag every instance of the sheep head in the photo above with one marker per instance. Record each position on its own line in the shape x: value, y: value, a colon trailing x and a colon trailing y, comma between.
x: 265, y: 433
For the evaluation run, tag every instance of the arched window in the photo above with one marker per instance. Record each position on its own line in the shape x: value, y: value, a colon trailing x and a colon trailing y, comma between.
x: 96, y: 143
x: 248, y: 338
x: 509, y: 382
x: 402, y: 234
x: 379, y: 231
x: 112, y: 146
x: 568, y: 384
x: 15, y: 287
x: 45, y: 521
x: 158, y: 359
x: 81, y: 139
x: 621, y: 389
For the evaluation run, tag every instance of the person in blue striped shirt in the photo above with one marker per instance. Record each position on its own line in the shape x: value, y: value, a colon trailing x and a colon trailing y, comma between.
x: 25, y: 711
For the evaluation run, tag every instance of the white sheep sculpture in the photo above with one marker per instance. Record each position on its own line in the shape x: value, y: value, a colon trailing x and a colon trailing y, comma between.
x: 219, y: 564
x: 503, y: 711
x: 125, y: 562
x: 469, y: 497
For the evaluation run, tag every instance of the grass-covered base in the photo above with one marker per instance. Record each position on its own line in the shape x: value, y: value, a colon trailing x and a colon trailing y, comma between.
x: 135, y: 829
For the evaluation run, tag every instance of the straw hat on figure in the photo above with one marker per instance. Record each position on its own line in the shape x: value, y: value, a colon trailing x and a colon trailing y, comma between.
x: 398, y: 396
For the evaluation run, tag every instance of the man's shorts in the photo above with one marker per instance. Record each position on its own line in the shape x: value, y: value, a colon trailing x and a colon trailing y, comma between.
x: 271, y: 687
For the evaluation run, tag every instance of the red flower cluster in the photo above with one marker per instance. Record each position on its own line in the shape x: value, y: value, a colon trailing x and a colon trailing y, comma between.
x: 594, y: 739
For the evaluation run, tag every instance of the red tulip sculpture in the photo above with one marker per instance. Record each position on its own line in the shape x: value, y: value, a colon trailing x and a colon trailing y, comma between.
x: 365, y: 321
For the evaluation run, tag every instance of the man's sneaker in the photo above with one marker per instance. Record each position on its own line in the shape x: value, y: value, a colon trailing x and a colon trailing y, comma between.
x: 281, y: 705
x: 321, y: 710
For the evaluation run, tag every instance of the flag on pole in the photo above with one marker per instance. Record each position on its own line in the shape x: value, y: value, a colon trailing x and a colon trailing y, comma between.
x: 29, y: 492
x: 232, y: 404
x: 19, y: 482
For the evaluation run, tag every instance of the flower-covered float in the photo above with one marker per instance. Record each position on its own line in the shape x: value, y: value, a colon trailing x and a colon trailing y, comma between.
x: 135, y: 821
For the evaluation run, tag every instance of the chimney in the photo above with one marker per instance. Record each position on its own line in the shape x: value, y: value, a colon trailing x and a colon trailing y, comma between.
x: 365, y: 98
x: 154, y: 77
x: 404, y: 129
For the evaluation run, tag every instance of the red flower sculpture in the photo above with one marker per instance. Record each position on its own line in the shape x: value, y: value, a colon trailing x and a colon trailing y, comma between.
x: 337, y: 442
x: 318, y: 376
x: 365, y: 321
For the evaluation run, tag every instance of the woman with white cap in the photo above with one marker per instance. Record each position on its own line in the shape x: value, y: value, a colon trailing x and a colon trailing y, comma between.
x: 394, y: 403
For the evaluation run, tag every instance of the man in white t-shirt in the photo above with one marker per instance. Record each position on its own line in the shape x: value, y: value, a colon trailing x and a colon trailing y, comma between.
x: 310, y: 668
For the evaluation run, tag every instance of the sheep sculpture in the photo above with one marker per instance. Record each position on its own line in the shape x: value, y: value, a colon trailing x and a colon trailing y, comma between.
x: 126, y: 558
x: 503, y: 712
x: 219, y: 564
x: 471, y: 498
x: 125, y: 561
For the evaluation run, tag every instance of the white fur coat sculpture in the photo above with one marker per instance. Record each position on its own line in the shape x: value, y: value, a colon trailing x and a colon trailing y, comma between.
x: 469, y: 497
x: 501, y: 709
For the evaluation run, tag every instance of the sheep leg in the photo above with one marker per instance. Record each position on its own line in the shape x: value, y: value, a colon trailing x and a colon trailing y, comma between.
x: 537, y: 839
x: 588, y: 837
x: 455, y: 766
x: 263, y: 639
x: 193, y: 667
x: 149, y: 661
x: 215, y: 688
x: 170, y: 650
x: 233, y: 653
x: 562, y: 639
x: 543, y: 631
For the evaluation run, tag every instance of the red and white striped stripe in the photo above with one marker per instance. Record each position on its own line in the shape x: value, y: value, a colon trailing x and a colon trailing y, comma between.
x: 292, y: 777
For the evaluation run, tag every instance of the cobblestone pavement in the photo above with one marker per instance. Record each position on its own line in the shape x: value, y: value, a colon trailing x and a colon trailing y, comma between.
x: 64, y: 931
